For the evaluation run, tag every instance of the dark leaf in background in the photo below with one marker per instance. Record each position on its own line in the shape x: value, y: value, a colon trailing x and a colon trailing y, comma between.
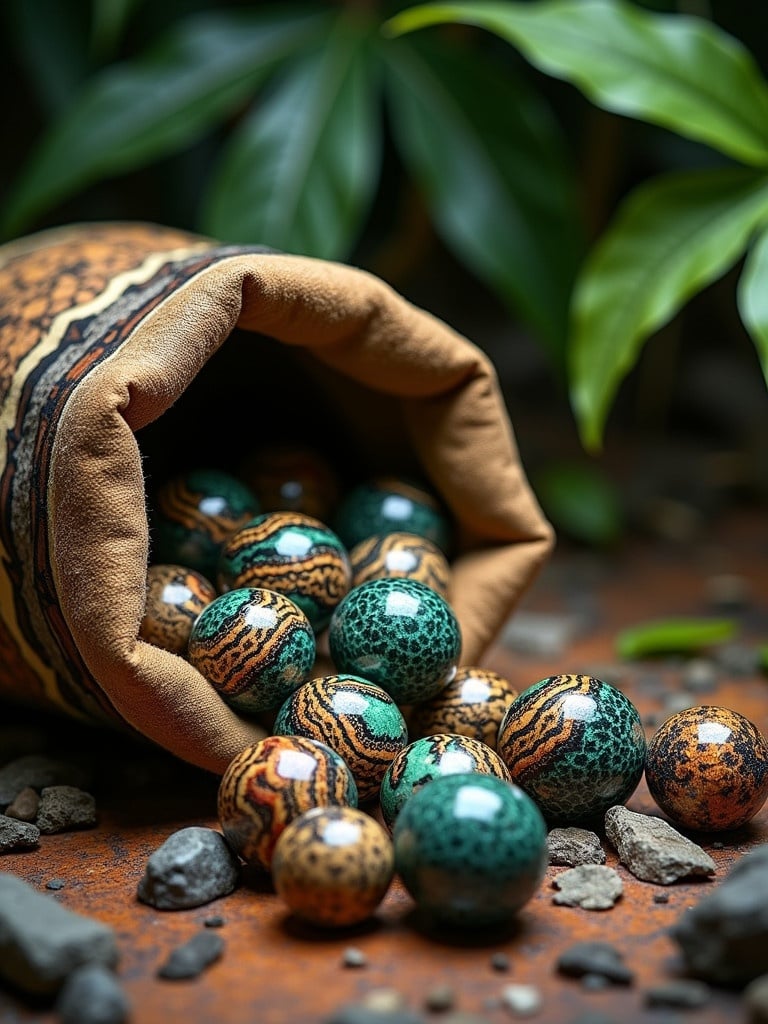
x: 490, y: 159
x: 301, y: 171
x: 132, y: 113
x: 581, y: 503
x: 753, y: 296
x: 109, y: 19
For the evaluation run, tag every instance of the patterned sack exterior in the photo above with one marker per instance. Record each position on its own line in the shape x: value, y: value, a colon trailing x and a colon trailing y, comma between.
x: 102, y: 329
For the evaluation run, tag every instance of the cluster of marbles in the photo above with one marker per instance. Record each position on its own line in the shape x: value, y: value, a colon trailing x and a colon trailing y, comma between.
x: 707, y: 768
x: 175, y: 597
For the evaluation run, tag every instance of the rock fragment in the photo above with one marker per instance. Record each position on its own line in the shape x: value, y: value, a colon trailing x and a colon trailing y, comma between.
x: 522, y: 1000
x: 724, y: 937
x: 36, y: 771
x: 193, y: 957
x: 595, y: 958
x: 756, y: 1000
x: 680, y: 994
x: 92, y: 995
x: 24, y: 806
x: 572, y: 846
x: 700, y: 675
x: 654, y: 851
x: 192, y: 867
x: 65, y: 808
x: 17, y: 835
x: 589, y: 886
x: 41, y: 941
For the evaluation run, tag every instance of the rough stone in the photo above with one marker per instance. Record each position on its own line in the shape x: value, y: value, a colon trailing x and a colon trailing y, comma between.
x: 678, y: 700
x: 728, y: 592
x: 36, y: 772
x: 681, y: 994
x: 192, y: 867
x: 65, y: 808
x: 41, y: 941
x: 589, y: 886
x: 652, y: 850
x: 358, y: 1013
x: 595, y: 958
x: 25, y: 805
x: 92, y: 995
x: 354, y: 957
x: 191, y: 959
x: 540, y: 633
x: 500, y: 962
x: 756, y: 1000
x: 522, y: 1000
x: 700, y: 675
x: 440, y: 999
x: 738, y: 659
x: 17, y: 835
x: 571, y: 847
x: 724, y: 937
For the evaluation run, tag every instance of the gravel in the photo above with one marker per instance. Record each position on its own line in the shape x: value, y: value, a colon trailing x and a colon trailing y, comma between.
x: 65, y: 808
x: 192, y: 867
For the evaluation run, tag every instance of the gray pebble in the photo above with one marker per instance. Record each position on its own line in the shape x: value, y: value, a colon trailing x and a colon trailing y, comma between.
x: 738, y: 659
x: 357, y: 1013
x: 17, y: 835
x: 661, y: 897
x: 92, y: 995
x: 36, y: 772
x: 756, y: 1000
x: 192, y: 867
x: 192, y: 958
x: 700, y: 675
x: 25, y: 805
x: 682, y: 994
x: 678, y: 700
x: 354, y: 957
x: 500, y: 962
x: 652, y: 850
x: 541, y: 634
x: 594, y: 982
x: 574, y: 846
x: 64, y: 808
x: 55, y: 884
x: 595, y: 958
x: 440, y: 999
x: 214, y: 922
x: 522, y: 1000
x: 41, y: 941
x: 589, y: 886
x: 728, y: 592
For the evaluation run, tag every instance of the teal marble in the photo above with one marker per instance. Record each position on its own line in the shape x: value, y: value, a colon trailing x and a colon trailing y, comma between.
x: 254, y: 646
x: 471, y: 850
x: 357, y: 719
x: 575, y: 744
x: 388, y: 505
x: 429, y: 758
x: 194, y: 514
x: 295, y: 555
x: 399, y: 634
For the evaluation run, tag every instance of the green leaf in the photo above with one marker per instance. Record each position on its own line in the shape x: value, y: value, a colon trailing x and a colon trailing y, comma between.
x: 300, y: 173
x: 109, y: 19
x: 133, y: 113
x: 581, y: 502
x: 676, y: 71
x: 673, y: 636
x: 753, y: 297
x: 673, y: 236
x: 490, y: 160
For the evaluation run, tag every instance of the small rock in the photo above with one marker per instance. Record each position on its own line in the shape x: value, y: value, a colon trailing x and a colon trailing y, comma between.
x: 652, y: 850
x: 461, y: 1017
x: 192, y: 867
x: 41, y: 941
x: 214, y: 922
x: 36, y: 771
x: 728, y: 592
x: 383, y: 1000
x: 682, y: 994
x: 192, y: 958
x: 724, y: 937
x: 17, y: 835
x: 700, y: 675
x: 358, y: 1013
x: 64, y: 808
x: 92, y: 995
x: 593, y: 1017
x: 574, y: 846
x: 661, y: 897
x: 440, y: 999
x: 589, y: 886
x: 500, y: 962
x: 678, y: 700
x: 522, y: 1000
x: 25, y: 806
x: 539, y: 633
x: 594, y: 982
x: 756, y: 1000
x: 55, y: 884
x: 595, y: 958
x: 738, y: 659
x: 354, y: 957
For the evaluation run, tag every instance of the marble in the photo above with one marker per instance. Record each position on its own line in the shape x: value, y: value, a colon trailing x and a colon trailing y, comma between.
x: 707, y: 768
x: 292, y: 478
x: 403, y: 555
x: 429, y: 758
x: 399, y: 634
x: 388, y: 505
x: 293, y: 554
x: 268, y: 785
x: 332, y: 866
x: 358, y: 719
x: 471, y: 850
x: 472, y: 704
x: 255, y: 647
x: 194, y: 514
x: 575, y: 744
x: 175, y: 597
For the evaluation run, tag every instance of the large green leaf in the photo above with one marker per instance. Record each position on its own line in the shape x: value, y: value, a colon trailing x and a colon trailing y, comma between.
x: 680, y: 72
x: 489, y: 158
x: 300, y: 173
x: 753, y: 297
x: 673, y: 236
x: 134, y: 112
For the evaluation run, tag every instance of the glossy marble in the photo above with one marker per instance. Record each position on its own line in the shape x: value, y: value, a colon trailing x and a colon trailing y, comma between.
x: 292, y: 478
x: 472, y: 704
x: 387, y: 505
x: 175, y: 597
x: 400, y: 554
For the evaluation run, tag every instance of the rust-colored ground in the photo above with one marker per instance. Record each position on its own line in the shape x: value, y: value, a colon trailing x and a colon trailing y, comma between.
x: 275, y: 971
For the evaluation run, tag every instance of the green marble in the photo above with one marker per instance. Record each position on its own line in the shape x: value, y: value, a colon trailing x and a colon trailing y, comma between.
x: 254, y: 646
x: 389, y: 505
x: 575, y: 744
x: 399, y: 634
x: 470, y: 849
x: 194, y: 514
x: 429, y: 758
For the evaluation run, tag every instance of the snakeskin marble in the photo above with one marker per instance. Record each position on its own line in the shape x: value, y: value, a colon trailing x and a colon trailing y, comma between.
x: 332, y: 866
x: 707, y: 768
x: 255, y: 647
x: 292, y: 478
x: 388, y: 505
x: 175, y: 597
x: 471, y: 850
x: 430, y: 758
x: 575, y: 744
x: 400, y: 554
x: 269, y: 784
x: 472, y: 704
x: 359, y: 720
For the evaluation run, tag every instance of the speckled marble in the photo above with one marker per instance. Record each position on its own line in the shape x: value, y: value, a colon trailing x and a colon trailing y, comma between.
x: 388, y: 505
x: 472, y: 704
x: 175, y: 597
x: 403, y: 555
